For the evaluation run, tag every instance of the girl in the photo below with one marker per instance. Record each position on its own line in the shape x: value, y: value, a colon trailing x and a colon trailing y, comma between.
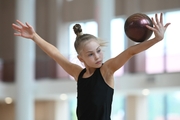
x: 95, y: 82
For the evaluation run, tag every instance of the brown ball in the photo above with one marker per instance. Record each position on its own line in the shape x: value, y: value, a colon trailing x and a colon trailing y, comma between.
x: 135, y: 27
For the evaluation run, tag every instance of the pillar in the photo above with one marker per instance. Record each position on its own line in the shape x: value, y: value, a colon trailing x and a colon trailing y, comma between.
x: 62, y: 110
x: 104, y: 13
x: 62, y: 33
x: 24, y: 64
x: 136, y: 108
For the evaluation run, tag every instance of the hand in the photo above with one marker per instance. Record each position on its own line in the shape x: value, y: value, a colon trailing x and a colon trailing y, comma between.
x: 158, y: 29
x: 23, y: 30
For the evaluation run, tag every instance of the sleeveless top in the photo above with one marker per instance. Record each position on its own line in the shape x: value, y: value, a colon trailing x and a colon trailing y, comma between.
x: 94, y: 97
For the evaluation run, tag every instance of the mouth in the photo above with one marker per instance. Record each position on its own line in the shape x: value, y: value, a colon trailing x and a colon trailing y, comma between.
x: 98, y: 62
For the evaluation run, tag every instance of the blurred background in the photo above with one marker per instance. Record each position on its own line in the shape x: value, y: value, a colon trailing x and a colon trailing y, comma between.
x: 34, y: 87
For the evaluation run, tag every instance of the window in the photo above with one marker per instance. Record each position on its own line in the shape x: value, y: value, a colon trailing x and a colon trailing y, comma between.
x: 72, y: 108
x: 164, y: 56
x: 118, y: 108
x: 117, y: 40
x: 155, y: 56
x: 172, y: 44
x: 156, y: 106
x: 173, y: 106
x: 164, y: 106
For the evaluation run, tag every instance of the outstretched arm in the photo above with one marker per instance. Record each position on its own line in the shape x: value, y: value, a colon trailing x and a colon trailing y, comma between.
x: 27, y: 31
x: 158, y: 29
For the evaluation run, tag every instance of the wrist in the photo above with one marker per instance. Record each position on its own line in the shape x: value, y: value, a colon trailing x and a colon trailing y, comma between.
x: 34, y: 35
x: 159, y: 39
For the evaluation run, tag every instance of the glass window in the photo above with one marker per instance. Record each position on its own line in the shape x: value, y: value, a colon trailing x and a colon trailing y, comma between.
x: 118, y: 105
x: 173, y: 106
x: 155, y: 56
x: 73, y: 106
x: 165, y: 56
x: 161, y: 106
x: 172, y: 42
x: 156, y: 107
x: 117, y: 40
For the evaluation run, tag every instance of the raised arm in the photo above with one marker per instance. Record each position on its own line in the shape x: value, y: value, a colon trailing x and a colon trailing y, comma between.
x: 158, y: 29
x: 27, y: 31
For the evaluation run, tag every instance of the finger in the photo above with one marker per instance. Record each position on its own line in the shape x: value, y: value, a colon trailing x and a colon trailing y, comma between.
x: 151, y: 28
x: 28, y: 25
x: 161, y: 18
x: 167, y: 24
x: 16, y: 27
x: 154, y: 23
x: 19, y: 22
x: 157, y: 20
x: 17, y: 34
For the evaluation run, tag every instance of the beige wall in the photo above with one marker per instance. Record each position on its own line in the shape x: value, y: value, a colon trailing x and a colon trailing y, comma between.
x: 84, y: 9
x: 7, y: 16
x: 7, y: 112
x: 44, y: 110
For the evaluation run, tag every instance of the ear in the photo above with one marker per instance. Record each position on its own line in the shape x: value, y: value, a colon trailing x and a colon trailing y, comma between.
x: 80, y: 58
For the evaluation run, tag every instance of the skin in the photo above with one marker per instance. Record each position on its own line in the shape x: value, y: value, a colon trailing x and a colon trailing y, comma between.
x: 91, y: 54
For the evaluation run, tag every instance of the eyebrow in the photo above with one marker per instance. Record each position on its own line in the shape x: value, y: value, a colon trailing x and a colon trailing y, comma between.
x: 92, y: 51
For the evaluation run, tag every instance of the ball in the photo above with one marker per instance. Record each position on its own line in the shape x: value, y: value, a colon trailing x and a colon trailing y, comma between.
x: 135, y: 27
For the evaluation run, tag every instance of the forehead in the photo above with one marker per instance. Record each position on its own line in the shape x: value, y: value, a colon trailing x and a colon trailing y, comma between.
x: 90, y: 45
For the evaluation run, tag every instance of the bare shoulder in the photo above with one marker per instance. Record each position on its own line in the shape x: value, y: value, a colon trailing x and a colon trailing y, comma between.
x: 107, y: 75
x: 76, y: 71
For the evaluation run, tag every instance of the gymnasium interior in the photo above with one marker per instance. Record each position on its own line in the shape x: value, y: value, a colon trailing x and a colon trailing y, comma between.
x: 34, y: 87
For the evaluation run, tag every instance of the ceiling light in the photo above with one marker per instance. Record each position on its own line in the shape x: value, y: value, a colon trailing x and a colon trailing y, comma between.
x: 8, y: 100
x: 145, y: 92
x: 63, y: 97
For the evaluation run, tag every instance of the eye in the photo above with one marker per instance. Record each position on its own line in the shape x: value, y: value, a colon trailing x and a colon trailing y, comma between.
x: 99, y: 50
x: 90, y: 54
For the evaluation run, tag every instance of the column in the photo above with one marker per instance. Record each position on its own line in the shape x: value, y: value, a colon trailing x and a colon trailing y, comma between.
x: 24, y: 61
x: 104, y: 13
x: 62, y: 34
x: 136, y: 107
x: 137, y: 63
x: 62, y: 110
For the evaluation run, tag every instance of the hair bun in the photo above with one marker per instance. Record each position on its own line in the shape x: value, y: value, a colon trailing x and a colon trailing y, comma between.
x: 78, y: 30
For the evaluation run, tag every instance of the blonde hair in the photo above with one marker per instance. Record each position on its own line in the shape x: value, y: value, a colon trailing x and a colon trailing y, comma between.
x: 81, y: 38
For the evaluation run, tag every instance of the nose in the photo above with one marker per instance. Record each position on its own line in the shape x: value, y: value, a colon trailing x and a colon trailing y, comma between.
x: 96, y: 56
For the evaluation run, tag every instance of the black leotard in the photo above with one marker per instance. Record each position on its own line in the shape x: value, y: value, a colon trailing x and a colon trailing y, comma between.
x: 94, y: 97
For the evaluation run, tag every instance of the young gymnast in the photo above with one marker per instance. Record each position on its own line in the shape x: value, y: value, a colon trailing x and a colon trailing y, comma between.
x: 95, y: 82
